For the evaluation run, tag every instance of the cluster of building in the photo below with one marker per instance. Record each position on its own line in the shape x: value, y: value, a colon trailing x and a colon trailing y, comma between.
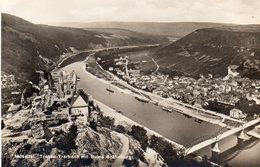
x: 82, y: 105
x: 8, y: 81
x: 58, y: 101
x: 226, y: 90
x: 120, y: 67
x: 65, y: 83
x: 64, y: 100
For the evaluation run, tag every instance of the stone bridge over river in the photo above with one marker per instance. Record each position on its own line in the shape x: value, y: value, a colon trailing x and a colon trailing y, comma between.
x: 244, y: 133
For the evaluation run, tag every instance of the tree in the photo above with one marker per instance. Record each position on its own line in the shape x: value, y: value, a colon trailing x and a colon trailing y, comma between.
x: 218, y: 107
x: 139, y: 133
x: 138, y: 154
x: 248, y: 106
x: 93, y: 125
x: 165, y: 149
x: 29, y: 91
x: 66, y: 142
x: 2, y: 124
x: 106, y: 121
x: 120, y: 129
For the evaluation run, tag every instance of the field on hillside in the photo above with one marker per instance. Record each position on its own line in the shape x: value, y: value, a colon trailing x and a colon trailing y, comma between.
x: 137, y: 60
x: 212, y: 51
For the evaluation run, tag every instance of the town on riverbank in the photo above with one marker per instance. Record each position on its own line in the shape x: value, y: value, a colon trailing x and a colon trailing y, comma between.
x: 59, y: 108
x: 233, y: 92
x: 226, y: 116
x: 124, y: 88
x: 62, y: 124
x: 130, y: 83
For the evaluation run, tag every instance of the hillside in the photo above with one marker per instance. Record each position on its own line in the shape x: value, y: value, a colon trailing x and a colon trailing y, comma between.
x: 125, y: 34
x: 169, y: 29
x: 117, y: 36
x: 212, y: 50
x: 27, y: 46
x: 43, y: 138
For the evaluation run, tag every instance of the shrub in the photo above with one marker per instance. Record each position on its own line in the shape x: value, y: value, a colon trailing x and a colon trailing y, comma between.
x: 47, y: 133
x: 4, y: 109
x: 107, y: 122
x: 120, y: 129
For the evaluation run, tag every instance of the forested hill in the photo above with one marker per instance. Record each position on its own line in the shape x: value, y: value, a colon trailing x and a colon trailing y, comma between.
x: 27, y: 47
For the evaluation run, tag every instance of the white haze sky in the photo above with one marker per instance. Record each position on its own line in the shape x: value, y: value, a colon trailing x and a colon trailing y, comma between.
x: 223, y: 11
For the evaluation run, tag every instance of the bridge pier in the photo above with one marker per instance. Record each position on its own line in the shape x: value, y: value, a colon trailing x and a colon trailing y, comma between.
x: 213, y: 142
x: 241, y: 138
x: 215, y: 151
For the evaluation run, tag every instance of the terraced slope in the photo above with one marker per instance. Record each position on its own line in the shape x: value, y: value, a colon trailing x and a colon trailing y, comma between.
x: 212, y: 50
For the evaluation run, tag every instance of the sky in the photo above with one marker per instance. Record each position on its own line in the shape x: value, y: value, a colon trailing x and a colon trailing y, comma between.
x: 221, y: 11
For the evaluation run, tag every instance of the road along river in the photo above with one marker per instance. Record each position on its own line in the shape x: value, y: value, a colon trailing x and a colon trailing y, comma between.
x: 174, y: 126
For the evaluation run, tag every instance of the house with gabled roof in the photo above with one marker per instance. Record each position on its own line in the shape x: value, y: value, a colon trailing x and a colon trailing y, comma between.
x: 79, y: 104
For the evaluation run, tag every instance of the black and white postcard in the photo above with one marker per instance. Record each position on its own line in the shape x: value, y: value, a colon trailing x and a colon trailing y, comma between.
x: 130, y: 83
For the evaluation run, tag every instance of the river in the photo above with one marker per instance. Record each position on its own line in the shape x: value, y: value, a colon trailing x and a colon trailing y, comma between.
x: 174, y: 126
